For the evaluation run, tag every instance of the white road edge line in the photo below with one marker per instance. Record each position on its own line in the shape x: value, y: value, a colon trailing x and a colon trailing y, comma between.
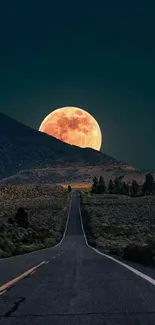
x: 39, y: 250
x: 140, y: 274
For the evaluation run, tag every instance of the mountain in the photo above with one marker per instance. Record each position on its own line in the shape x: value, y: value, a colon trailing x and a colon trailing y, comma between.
x: 23, y: 148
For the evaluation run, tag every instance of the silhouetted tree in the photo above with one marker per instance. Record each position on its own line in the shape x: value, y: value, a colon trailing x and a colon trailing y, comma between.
x: 135, y: 187
x: 117, y: 186
x: 120, y: 178
x: 21, y: 217
x: 123, y: 188
x: 94, y: 188
x: 69, y: 188
x: 111, y: 187
x: 144, y: 189
x: 149, y: 185
x: 128, y: 191
x: 95, y: 180
x: 101, y: 186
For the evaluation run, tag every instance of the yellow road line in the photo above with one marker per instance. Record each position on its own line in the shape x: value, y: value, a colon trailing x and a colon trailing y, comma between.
x: 5, y: 286
x: 2, y: 293
x: 33, y: 272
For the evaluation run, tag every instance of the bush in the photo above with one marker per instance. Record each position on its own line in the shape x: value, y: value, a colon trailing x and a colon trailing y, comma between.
x: 139, y: 253
x: 50, y: 241
x: 6, y: 245
x: 23, y: 249
x: 11, y: 220
x: 1, y: 253
x: 41, y: 227
x: 91, y: 241
x: 115, y: 251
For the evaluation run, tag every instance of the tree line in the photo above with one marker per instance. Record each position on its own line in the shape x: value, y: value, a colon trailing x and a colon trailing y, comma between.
x: 120, y: 187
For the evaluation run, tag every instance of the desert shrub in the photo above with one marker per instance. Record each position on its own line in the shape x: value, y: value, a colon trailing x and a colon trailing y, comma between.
x: 91, y: 241
x: 50, y: 241
x: 115, y: 221
x: 33, y: 217
x: 17, y: 234
x: 1, y: 253
x: 23, y: 249
x: 139, y: 253
x: 3, y: 227
x: 11, y: 220
x: 115, y: 251
x: 58, y: 236
x: 41, y: 236
x: 30, y: 237
x: 6, y: 244
x: 4, y: 254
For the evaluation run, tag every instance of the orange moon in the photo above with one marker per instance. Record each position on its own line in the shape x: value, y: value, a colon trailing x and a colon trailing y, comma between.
x: 73, y: 125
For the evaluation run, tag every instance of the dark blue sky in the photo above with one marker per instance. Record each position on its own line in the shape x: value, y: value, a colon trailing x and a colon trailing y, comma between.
x: 97, y: 55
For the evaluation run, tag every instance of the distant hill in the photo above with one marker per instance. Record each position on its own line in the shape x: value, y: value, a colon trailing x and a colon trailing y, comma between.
x: 23, y: 148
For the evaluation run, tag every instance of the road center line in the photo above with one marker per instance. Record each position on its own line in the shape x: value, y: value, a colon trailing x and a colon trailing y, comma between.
x: 9, y: 284
x: 2, y: 292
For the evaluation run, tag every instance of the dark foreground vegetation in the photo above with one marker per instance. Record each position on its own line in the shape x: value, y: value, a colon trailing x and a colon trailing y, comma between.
x: 32, y: 217
x: 123, y: 224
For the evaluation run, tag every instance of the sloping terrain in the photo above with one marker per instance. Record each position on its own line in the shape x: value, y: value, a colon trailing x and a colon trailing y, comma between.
x: 23, y: 148
x: 71, y: 174
x: 46, y: 207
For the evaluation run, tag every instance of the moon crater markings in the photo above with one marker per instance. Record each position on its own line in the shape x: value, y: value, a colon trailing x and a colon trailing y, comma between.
x: 74, y: 126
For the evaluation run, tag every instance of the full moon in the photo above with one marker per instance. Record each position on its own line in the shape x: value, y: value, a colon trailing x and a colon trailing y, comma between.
x: 73, y: 125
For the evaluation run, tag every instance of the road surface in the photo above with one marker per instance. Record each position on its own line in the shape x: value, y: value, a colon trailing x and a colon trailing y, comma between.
x: 76, y: 286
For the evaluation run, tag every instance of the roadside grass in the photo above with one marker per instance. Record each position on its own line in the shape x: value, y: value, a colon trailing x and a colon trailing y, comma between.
x: 47, y: 209
x: 120, y: 225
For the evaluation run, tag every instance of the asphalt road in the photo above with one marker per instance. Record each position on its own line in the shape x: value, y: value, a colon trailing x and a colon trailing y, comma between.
x: 77, y: 286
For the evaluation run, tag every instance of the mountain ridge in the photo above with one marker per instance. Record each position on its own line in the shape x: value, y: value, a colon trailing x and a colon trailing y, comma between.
x: 22, y: 147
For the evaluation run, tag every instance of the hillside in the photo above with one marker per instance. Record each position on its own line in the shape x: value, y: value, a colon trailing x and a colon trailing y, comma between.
x: 75, y: 175
x: 23, y: 148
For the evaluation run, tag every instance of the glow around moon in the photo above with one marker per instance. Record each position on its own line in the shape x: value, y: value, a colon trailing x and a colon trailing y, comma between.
x: 73, y: 125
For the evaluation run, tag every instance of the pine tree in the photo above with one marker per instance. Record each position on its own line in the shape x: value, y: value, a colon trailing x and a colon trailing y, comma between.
x: 124, y: 189
x: 128, y: 191
x: 94, y: 188
x: 117, y: 187
x: 149, y: 184
x: 135, y: 187
x: 111, y: 187
x: 95, y: 180
x: 101, y: 186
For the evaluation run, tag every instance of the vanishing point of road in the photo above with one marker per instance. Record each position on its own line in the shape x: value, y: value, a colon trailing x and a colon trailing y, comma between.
x: 73, y: 286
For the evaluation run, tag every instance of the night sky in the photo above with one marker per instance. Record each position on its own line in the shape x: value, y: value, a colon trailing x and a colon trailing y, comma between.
x: 97, y: 55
